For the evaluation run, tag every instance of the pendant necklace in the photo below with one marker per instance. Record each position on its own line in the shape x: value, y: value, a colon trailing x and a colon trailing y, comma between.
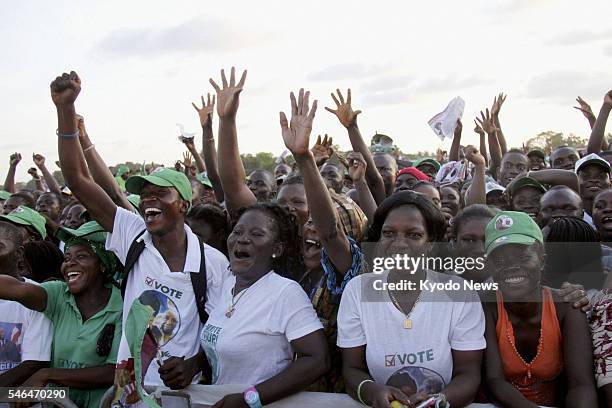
x: 407, y: 319
x: 235, y: 300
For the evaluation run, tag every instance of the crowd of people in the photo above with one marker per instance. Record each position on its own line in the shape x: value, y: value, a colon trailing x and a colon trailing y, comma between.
x: 200, y: 273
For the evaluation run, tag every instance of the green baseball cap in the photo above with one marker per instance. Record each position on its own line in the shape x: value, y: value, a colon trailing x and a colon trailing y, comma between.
x: 23, y: 215
x: 4, y: 195
x: 134, y: 200
x: 203, y: 178
x: 526, y: 182
x: 162, y: 177
x: 431, y: 162
x: 121, y: 170
x: 511, y: 227
x: 91, y: 231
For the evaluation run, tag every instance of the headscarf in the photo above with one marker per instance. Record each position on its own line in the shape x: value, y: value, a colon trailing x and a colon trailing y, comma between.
x: 413, y: 171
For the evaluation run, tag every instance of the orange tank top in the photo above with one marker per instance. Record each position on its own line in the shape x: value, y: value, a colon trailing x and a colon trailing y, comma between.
x: 536, y: 379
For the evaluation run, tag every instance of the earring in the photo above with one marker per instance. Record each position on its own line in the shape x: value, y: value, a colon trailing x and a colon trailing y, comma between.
x: 273, y: 256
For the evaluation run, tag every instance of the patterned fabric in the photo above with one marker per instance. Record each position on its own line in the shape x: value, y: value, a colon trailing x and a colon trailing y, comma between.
x: 352, y: 219
x: 325, y: 299
x: 601, y: 329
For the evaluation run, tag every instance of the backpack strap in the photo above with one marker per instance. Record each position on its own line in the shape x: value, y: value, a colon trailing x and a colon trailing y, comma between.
x: 136, y: 248
x: 198, y: 282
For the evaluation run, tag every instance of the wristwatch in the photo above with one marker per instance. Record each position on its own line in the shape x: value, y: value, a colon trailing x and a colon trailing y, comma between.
x: 251, y: 397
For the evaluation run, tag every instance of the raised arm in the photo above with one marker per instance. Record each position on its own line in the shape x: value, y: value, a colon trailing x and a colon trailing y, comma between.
x: 497, y: 104
x: 486, y: 123
x: 477, y: 193
x: 98, y: 168
x: 296, y: 135
x: 597, y: 134
x: 9, y: 183
x: 32, y: 296
x: 209, y: 151
x: 483, y: 141
x: 231, y: 173
x: 39, y: 161
x: 37, y: 179
x: 357, y: 168
x: 348, y: 118
x: 453, y: 154
x: 64, y: 92
x: 556, y: 177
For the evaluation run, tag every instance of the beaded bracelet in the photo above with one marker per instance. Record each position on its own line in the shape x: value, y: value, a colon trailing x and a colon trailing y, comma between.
x: 359, y: 390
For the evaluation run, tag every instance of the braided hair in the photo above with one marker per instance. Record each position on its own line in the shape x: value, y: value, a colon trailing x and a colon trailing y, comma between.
x: 289, y: 264
x: 573, y: 254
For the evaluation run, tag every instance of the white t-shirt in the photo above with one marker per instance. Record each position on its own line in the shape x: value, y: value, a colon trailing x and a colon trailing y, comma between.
x: 419, y: 358
x: 26, y: 334
x: 169, y: 293
x: 253, y: 345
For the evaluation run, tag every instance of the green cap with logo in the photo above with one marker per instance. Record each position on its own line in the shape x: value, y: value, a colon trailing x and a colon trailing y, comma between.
x: 4, y: 195
x: 511, y: 227
x: 28, y: 217
x: 162, y: 177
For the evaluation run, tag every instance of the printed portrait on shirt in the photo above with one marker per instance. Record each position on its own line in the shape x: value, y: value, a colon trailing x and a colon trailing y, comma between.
x: 412, y: 380
x: 166, y: 318
x: 10, y: 345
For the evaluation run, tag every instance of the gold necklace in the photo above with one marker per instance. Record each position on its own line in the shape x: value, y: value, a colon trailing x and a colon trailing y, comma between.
x: 407, y: 320
x: 230, y: 310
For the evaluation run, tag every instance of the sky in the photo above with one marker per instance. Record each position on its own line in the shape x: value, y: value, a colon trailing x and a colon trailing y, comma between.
x: 143, y: 63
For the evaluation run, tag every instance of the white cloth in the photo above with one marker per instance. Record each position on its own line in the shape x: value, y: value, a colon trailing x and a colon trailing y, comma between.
x: 420, y: 357
x: 254, y: 344
x: 26, y: 336
x: 444, y: 123
x: 170, y: 293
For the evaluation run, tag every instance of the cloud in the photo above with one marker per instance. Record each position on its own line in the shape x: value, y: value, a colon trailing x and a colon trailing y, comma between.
x: 386, y: 83
x: 608, y: 50
x: 441, y: 84
x: 563, y: 86
x: 389, y: 97
x: 512, y: 6
x: 580, y: 36
x: 196, y: 35
x: 350, y: 70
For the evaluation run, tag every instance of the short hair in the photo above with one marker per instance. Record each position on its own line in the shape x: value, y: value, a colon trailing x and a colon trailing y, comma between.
x: 28, y: 200
x: 11, y: 232
x: 471, y: 212
x: 45, y: 260
x: 561, y: 187
x: 212, y: 214
x: 291, y: 179
x: 434, y: 220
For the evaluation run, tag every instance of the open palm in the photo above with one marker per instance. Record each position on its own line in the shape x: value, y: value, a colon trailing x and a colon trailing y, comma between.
x: 344, y: 111
x: 296, y: 134
x: 228, y: 96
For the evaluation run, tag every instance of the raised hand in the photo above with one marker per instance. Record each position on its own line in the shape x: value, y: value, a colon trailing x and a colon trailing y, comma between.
x: 15, y: 159
x: 65, y: 89
x: 343, y: 110
x: 473, y: 156
x: 458, y: 128
x: 608, y: 99
x: 187, y: 160
x: 296, y: 134
x: 206, y: 111
x: 498, y: 101
x: 322, y: 150
x: 80, y: 124
x: 39, y: 160
x: 486, y: 122
x: 478, y: 129
x: 585, y: 108
x: 228, y: 96
x: 33, y: 172
x: 356, y: 166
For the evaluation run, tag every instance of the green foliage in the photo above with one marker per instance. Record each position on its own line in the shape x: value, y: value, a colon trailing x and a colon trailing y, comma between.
x: 261, y: 160
x: 550, y: 140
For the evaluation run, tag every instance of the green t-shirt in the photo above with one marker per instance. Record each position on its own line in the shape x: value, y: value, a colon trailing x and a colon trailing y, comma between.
x: 74, y: 341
